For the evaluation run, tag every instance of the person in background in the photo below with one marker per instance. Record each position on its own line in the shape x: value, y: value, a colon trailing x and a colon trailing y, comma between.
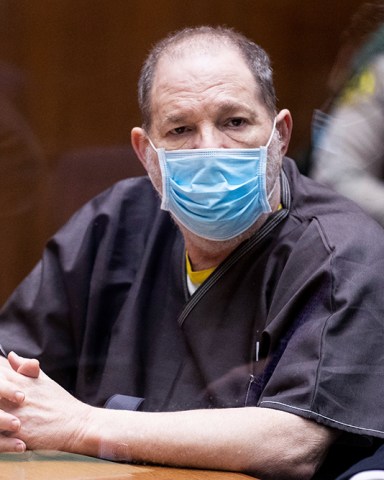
x: 223, y: 312
x: 348, y: 133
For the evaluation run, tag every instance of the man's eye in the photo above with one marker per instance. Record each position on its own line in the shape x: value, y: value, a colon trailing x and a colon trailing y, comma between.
x: 178, y: 130
x: 236, y: 122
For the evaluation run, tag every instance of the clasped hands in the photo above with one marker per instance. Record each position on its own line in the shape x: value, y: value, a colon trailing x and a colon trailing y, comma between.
x: 35, y: 412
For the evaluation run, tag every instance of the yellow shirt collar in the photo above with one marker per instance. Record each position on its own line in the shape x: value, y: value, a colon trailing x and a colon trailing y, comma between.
x: 199, y: 276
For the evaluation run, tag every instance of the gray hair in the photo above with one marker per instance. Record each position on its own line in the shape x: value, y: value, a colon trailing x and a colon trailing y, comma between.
x: 202, y: 37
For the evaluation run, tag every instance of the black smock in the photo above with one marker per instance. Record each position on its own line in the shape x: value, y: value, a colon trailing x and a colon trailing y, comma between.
x: 292, y: 320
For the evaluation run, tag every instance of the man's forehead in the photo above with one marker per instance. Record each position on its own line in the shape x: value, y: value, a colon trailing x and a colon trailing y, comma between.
x: 191, y: 67
x: 201, y: 70
x: 198, y: 48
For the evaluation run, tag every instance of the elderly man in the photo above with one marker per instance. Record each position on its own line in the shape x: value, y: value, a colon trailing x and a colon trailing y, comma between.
x: 238, y: 327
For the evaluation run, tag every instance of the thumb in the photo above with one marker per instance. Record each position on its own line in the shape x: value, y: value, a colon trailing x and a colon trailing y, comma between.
x: 30, y: 367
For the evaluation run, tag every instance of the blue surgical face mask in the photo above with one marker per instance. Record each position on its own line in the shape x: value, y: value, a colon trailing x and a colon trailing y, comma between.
x: 216, y: 193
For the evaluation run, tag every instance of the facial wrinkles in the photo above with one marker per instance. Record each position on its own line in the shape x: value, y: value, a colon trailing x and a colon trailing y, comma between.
x: 204, y: 88
x: 178, y: 99
x: 179, y: 105
x: 209, y: 121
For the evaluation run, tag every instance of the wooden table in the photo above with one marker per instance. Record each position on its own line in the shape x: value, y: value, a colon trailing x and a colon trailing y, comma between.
x: 64, y: 466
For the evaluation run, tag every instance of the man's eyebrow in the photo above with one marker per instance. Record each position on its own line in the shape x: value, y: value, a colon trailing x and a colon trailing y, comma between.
x: 235, y: 108
x: 175, y: 118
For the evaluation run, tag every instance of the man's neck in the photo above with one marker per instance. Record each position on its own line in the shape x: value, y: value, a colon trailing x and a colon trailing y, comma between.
x: 204, y: 254
x: 204, y: 257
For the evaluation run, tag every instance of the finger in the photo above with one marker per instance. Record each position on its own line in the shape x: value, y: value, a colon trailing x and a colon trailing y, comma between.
x: 9, y: 444
x: 9, y: 423
x: 30, y: 367
x: 14, y: 360
x: 10, y: 392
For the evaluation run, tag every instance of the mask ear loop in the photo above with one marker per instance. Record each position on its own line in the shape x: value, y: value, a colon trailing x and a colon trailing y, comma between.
x: 268, y: 143
x: 273, y: 131
x: 152, y: 145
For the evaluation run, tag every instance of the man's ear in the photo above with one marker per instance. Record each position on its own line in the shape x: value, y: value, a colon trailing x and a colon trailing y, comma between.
x: 140, y: 143
x: 284, y: 125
